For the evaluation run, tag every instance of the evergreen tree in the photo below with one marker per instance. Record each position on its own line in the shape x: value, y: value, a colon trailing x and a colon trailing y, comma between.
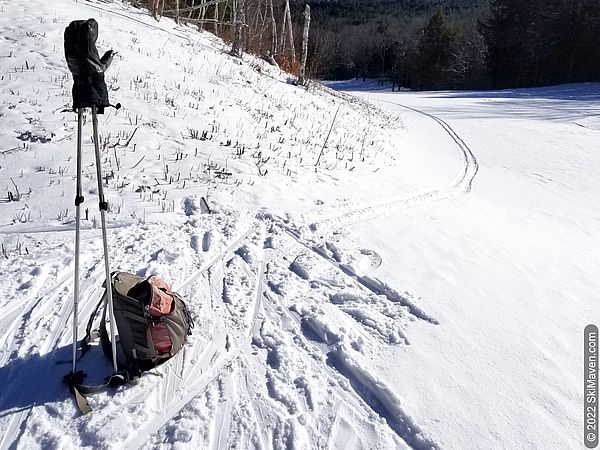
x: 535, y: 42
x: 435, y: 53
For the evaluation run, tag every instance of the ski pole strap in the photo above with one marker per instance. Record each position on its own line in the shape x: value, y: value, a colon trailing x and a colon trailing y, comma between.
x: 116, y: 380
x: 81, y: 401
x: 76, y: 386
x: 74, y: 380
x: 88, y: 329
x: 104, y: 338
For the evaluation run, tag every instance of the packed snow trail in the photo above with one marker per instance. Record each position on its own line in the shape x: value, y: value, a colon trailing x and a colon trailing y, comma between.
x: 368, y: 210
x: 471, y: 167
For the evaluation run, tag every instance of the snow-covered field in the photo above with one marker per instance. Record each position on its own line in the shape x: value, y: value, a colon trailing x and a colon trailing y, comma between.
x: 420, y: 278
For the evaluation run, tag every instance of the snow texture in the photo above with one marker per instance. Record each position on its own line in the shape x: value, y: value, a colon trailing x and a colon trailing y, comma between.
x: 426, y: 285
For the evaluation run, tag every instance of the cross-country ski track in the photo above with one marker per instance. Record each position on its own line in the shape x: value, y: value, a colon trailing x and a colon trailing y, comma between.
x: 221, y: 351
x: 347, y: 214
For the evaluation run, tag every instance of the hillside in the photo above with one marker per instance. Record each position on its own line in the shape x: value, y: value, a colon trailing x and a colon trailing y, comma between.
x: 195, y: 122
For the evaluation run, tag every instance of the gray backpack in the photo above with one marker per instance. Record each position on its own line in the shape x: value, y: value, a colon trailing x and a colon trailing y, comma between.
x: 152, y: 321
x: 153, y: 324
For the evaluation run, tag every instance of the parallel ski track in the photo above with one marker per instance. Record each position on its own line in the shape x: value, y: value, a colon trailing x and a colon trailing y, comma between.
x: 222, y: 421
x: 195, y: 381
x: 351, y: 399
x: 471, y: 166
x: 63, y: 229
x: 59, y: 329
x: 256, y: 411
x: 369, y: 210
x: 368, y: 283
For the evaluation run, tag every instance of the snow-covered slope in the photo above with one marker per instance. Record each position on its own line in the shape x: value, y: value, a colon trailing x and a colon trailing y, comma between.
x: 398, y: 271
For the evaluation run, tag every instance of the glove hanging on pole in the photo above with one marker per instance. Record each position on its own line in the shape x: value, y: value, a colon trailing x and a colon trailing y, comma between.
x: 89, y: 87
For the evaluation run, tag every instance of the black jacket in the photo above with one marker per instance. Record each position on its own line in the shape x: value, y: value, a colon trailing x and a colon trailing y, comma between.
x: 89, y: 87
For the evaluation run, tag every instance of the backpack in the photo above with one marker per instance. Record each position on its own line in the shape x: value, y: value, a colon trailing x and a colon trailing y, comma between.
x: 152, y: 321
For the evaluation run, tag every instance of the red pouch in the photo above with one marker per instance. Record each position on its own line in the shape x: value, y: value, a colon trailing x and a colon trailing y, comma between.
x: 162, y: 302
x: 160, y: 338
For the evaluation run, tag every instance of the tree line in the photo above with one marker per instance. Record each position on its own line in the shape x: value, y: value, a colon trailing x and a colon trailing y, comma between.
x: 263, y: 27
x: 448, y: 44
x: 503, y: 43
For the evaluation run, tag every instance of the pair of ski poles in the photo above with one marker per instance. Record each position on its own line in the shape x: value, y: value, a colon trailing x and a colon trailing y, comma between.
x: 103, y: 205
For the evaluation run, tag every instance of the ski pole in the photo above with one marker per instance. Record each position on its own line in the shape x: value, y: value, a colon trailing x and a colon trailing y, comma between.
x: 78, y: 201
x: 103, y: 205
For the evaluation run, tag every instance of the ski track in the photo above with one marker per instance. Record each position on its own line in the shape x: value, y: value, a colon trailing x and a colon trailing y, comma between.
x: 256, y: 412
x: 218, y: 258
x: 370, y: 210
x: 17, y: 423
x: 64, y: 229
x: 471, y: 166
x: 221, y: 356
x: 372, y: 284
x: 199, y: 365
x: 380, y: 400
x: 359, y: 399
x: 222, y: 422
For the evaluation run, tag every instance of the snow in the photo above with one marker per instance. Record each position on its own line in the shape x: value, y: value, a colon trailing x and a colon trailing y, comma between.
x: 425, y: 285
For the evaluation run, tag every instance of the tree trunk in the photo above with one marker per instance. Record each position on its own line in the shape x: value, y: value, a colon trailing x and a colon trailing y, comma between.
x: 302, y: 80
x: 155, y: 9
x: 216, y: 17
x: 282, y: 40
x: 223, y: 13
x: 240, y: 19
x: 273, y: 29
x: 290, y: 30
x: 192, y: 9
x: 202, y: 14
x: 177, y: 12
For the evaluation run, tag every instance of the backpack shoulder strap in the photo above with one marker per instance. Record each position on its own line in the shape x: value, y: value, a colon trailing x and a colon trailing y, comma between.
x: 88, y: 329
x: 104, y: 338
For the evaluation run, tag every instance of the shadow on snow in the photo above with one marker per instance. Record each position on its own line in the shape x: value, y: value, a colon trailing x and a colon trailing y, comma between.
x: 37, y: 379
